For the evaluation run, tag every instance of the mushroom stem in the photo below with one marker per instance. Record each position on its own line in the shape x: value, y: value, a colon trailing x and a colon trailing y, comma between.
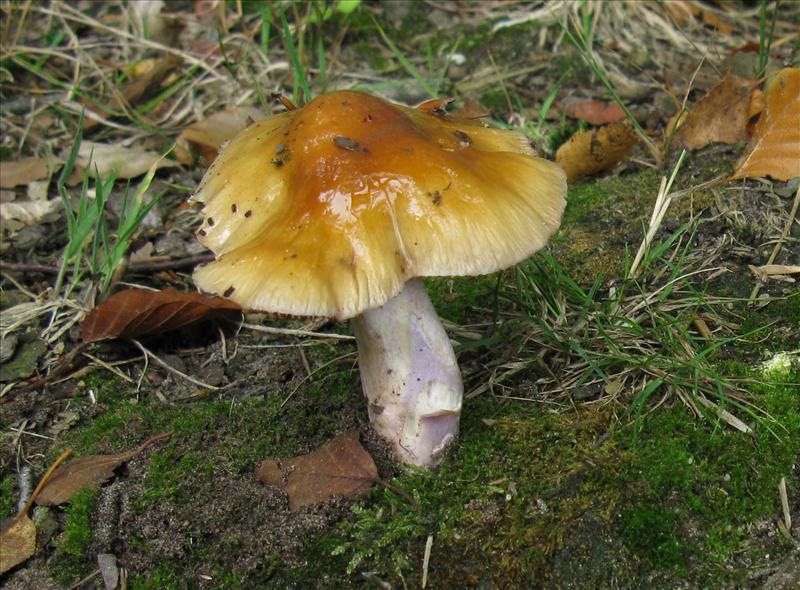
x: 410, y: 376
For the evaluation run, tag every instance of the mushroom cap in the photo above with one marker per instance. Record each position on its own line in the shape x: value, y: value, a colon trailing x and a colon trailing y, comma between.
x: 329, y: 209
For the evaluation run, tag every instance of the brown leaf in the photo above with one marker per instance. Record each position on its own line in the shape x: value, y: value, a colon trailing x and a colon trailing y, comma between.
x: 720, y: 116
x: 592, y: 152
x: 18, y: 538
x: 85, y: 472
x: 22, y: 171
x: 133, y: 313
x: 596, y: 112
x: 17, y: 542
x: 340, y: 467
x: 774, y: 149
x: 270, y: 472
x: 204, y: 138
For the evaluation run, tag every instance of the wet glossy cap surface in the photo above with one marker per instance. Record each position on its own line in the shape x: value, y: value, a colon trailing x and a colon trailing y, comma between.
x: 329, y: 209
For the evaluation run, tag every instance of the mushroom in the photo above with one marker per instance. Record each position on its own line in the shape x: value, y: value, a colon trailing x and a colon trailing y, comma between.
x: 337, y: 208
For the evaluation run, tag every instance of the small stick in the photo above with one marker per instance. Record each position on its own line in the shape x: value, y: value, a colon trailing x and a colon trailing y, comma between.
x: 173, y: 264
x: 291, y: 332
x: 173, y: 370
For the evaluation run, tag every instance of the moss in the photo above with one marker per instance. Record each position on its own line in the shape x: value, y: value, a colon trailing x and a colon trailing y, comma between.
x: 72, y: 560
x: 480, y: 504
x: 695, y: 494
x: 456, y: 298
x: 653, y: 532
x: 163, y: 577
x: 783, y: 317
x: 8, y: 496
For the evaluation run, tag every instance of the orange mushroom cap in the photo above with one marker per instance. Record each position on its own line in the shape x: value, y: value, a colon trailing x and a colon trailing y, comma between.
x: 329, y: 209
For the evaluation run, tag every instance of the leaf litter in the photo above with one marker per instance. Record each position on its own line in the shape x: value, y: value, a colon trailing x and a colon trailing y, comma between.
x: 86, y: 472
x: 204, y: 138
x: 340, y: 467
x: 18, y: 537
x: 133, y: 313
x: 24, y: 171
x: 720, y: 116
x: 775, y: 148
x: 592, y: 152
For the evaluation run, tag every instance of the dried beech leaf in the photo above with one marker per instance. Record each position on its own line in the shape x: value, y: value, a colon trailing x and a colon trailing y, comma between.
x: 596, y: 112
x: 592, y: 152
x: 270, y: 472
x: 17, y: 542
x: 205, y: 137
x: 721, y: 116
x: 133, y: 313
x: 774, y: 149
x: 22, y: 171
x: 102, y: 159
x: 340, y: 467
x: 85, y: 472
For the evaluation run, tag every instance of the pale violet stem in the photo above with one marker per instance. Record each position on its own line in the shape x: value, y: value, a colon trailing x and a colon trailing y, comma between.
x: 410, y: 376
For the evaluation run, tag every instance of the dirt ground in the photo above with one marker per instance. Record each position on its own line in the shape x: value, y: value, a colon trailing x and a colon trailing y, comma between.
x: 620, y: 430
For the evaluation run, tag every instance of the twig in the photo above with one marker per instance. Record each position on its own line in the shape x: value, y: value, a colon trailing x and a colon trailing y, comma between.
x: 81, y: 582
x: 42, y: 482
x: 78, y: 16
x: 322, y: 366
x: 173, y: 370
x: 108, y: 367
x: 291, y: 332
x: 176, y: 263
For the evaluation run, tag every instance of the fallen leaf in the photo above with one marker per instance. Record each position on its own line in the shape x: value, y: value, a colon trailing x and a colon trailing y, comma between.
x: 774, y: 149
x: 270, y: 472
x: 592, y: 152
x: 133, y: 313
x: 85, y: 472
x: 596, y: 112
x: 18, y: 537
x: 340, y: 467
x: 22, y: 172
x: 18, y: 214
x: 720, y: 116
x: 204, y: 138
x: 18, y: 542
x: 102, y: 159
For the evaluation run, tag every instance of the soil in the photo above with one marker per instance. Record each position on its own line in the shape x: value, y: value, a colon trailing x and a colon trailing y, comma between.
x: 537, y: 492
